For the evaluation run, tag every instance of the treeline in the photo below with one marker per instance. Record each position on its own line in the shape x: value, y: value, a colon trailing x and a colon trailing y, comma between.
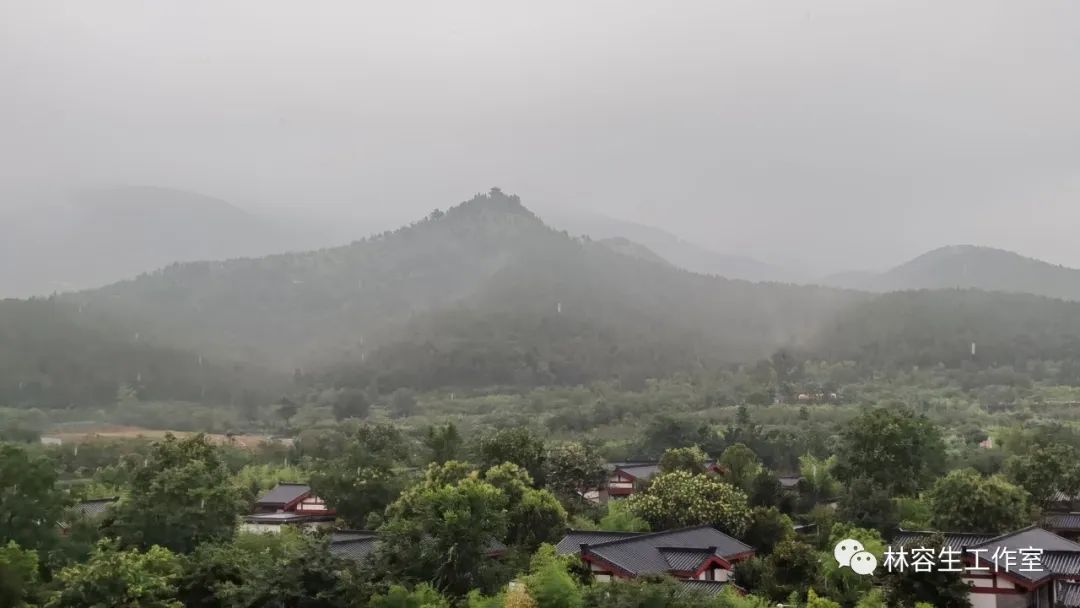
x: 52, y: 357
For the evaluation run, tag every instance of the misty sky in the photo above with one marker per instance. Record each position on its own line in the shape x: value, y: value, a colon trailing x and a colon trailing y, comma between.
x: 833, y: 134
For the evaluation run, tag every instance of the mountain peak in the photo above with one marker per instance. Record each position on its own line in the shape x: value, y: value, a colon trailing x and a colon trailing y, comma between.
x: 495, y: 201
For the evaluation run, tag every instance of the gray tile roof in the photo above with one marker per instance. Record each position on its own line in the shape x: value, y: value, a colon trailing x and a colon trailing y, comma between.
x: 283, y: 494
x: 571, y: 543
x: 94, y: 508
x: 643, y: 471
x: 359, y: 544
x: 1062, y: 521
x: 953, y: 540
x: 789, y: 482
x: 287, y: 517
x: 1067, y: 595
x: 353, y: 544
x: 710, y: 588
x: 1060, y: 556
x: 650, y: 553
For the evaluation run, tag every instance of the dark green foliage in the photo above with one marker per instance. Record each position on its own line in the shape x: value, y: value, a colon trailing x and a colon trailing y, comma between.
x: 867, y: 505
x: 113, y: 577
x: 571, y: 468
x: 768, y: 527
x: 892, y: 448
x: 30, y: 503
x: 19, y: 578
x: 180, y: 496
x: 936, y: 588
x: 443, y: 533
x: 444, y: 443
x: 362, y: 480
x: 402, y: 403
x: 964, y: 500
x: 518, y: 446
x: 56, y: 355
x: 691, y: 459
x: 351, y: 403
x: 1045, y: 470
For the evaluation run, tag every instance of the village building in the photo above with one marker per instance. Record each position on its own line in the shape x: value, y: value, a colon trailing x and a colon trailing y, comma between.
x: 288, y: 504
x: 1034, y: 567
x: 702, y: 556
x: 358, y: 545
x: 626, y: 478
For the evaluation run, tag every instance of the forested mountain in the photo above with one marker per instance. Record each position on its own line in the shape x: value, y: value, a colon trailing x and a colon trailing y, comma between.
x: 94, y: 237
x: 52, y: 355
x: 625, y: 246
x: 483, y: 294
x: 928, y: 327
x: 970, y: 266
x: 487, y: 259
x: 680, y: 252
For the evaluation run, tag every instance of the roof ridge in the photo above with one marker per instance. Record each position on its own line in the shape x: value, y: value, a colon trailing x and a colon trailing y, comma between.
x: 1014, y: 533
x: 664, y: 532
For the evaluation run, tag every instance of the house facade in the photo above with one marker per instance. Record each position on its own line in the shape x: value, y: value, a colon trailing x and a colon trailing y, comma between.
x: 288, y: 504
x: 1029, y: 568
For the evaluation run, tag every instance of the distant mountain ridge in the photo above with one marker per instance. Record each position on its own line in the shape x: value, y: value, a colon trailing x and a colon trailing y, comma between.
x: 677, y: 251
x: 970, y: 266
x: 98, y: 236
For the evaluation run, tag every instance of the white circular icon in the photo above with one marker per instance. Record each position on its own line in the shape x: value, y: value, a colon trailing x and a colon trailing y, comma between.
x: 863, y: 562
x: 845, y: 549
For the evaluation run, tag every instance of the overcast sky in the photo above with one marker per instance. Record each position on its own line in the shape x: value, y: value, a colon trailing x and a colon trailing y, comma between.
x: 835, y: 134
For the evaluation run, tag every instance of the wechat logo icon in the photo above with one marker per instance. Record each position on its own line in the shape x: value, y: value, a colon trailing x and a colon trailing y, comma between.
x: 852, y: 554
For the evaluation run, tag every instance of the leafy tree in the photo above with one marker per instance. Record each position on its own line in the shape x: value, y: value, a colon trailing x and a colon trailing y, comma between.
x: 571, y: 468
x: 818, y: 483
x: 691, y: 459
x: 362, y: 480
x: 765, y: 490
x: 351, y: 403
x: 19, y: 583
x: 113, y: 577
x: 813, y: 600
x: 518, y: 446
x: 741, y: 465
x: 620, y: 518
x: 423, y: 596
x: 794, y: 568
x: 842, y: 583
x: 937, y: 588
x: 443, y: 534
x: 1045, y: 470
x: 444, y: 443
x: 867, y: 505
x: 679, y: 499
x: 897, y: 450
x: 180, y: 496
x: 534, y: 516
x: 550, y: 585
x: 30, y: 503
x: 768, y: 527
x: 965, y: 500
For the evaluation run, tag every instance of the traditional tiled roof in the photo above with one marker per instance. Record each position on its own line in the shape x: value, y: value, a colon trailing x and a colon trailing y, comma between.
x: 287, y: 517
x: 790, y: 482
x: 1062, y: 521
x: 353, y: 544
x: 711, y: 588
x: 284, y: 494
x: 1067, y: 595
x: 953, y: 540
x: 571, y: 543
x: 684, y: 550
x: 639, y: 470
x: 359, y: 544
x: 94, y: 508
x: 1059, y: 556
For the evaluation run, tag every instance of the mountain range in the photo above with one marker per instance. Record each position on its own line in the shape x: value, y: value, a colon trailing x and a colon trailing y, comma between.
x: 969, y: 266
x: 482, y: 294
